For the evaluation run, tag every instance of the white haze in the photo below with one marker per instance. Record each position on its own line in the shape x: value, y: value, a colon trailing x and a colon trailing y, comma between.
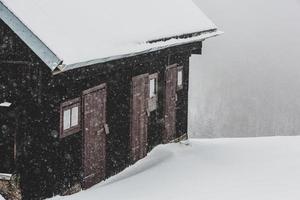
x: 247, y: 82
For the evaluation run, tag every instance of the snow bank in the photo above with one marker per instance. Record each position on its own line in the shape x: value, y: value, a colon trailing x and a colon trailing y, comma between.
x: 1, y: 198
x: 221, y: 169
x: 84, y: 30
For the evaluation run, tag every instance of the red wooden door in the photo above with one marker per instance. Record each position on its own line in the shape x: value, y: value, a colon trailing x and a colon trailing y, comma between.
x: 94, y: 136
x: 139, y: 116
x: 170, y: 103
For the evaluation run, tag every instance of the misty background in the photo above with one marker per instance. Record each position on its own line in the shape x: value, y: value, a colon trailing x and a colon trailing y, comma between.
x: 247, y: 82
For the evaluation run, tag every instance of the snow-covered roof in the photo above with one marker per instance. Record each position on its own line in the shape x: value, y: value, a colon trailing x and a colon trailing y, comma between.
x: 76, y: 33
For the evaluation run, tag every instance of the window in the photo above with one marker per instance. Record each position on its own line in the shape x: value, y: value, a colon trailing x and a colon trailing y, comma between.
x: 153, y: 89
x: 70, y: 117
x: 67, y: 116
x: 75, y: 116
x: 180, y: 78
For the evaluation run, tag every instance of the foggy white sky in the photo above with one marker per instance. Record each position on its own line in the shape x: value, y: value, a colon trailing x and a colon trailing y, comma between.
x: 247, y: 82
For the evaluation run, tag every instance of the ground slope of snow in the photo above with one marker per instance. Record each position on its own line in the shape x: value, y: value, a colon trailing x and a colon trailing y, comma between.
x: 1, y: 198
x: 220, y: 169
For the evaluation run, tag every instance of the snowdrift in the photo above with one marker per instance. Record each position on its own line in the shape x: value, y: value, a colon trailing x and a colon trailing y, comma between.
x: 258, y: 168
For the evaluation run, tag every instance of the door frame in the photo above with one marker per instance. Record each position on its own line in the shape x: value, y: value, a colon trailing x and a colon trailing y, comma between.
x: 165, y: 137
x: 84, y: 93
x: 145, y: 75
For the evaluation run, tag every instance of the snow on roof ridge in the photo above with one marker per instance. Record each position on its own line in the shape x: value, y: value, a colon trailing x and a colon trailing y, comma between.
x: 86, y: 30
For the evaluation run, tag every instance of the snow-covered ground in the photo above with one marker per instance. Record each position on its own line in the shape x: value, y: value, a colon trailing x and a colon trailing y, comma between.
x: 219, y: 169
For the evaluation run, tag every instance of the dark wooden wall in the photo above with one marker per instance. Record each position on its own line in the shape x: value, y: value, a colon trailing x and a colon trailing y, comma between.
x: 49, y: 165
x: 21, y: 84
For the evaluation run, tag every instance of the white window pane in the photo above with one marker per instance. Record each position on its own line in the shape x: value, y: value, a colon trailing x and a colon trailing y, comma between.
x: 179, y: 78
x: 74, y: 120
x: 67, y: 119
x: 152, y: 87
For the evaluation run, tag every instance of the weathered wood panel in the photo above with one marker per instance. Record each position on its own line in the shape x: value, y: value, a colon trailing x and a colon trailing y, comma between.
x: 94, y: 146
x: 170, y: 103
x: 182, y: 100
x: 10, y: 50
x: 139, y: 117
x: 7, y: 141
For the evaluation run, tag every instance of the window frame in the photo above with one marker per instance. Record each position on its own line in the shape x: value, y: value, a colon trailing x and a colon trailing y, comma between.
x: 180, y: 69
x: 155, y: 77
x: 153, y: 101
x: 69, y: 105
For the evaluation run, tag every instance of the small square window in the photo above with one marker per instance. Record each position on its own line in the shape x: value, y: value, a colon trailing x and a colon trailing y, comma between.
x: 70, y: 117
x: 180, y: 78
x: 153, y: 89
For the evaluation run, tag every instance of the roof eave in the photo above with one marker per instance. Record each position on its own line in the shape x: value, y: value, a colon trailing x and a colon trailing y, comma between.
x: 183, y: 41
x: 30, y: 39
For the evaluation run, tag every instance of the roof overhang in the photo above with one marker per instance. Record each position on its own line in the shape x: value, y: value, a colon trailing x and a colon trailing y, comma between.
x: 30, y: 39
x: 150, y: 47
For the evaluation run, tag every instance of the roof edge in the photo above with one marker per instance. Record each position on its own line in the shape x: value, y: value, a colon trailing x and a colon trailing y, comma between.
x: 183, y: 36
x: 30, y: 39
x: 155, y: 46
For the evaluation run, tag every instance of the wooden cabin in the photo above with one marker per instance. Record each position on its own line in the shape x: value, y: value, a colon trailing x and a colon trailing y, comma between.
x: 90, y: 87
